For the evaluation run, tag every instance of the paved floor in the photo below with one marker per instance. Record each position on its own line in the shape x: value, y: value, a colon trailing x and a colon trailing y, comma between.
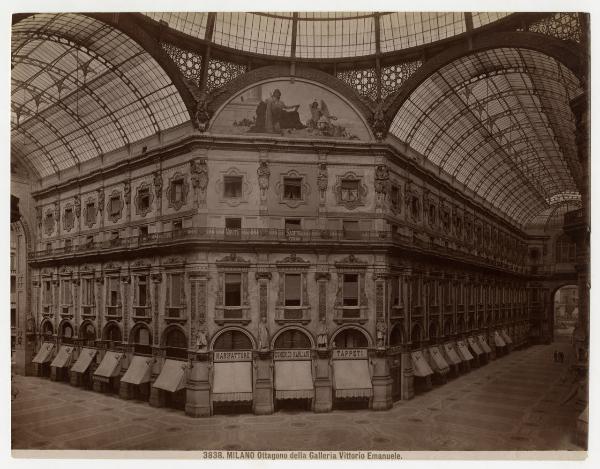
x: 514, y: 403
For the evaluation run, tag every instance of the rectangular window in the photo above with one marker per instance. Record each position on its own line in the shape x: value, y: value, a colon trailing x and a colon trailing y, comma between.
x: 232, y: 186
x: 143, y: 231
x: 177, y: 226
x: 114, y: 296
x: 350, y: 290
x: 396, y: 291
x: 349, y: 190
x: 415, y: 292
x: 293, y: 290
x: 292, y: 188
x: 90, y: 213
x: 68, y: 244
x: 13, y: 317
x: 87, y: 286
x: 68, y: 215
x: 13, y: 284
x: 292, y: 226
x: 66, y: 294
x: 177, y: 191
x: 176, y: 297
x: 233, y: 289
x: 433, y: 293
x: 115, y: 205
x: 12, y: 262
x: 47, y: 292
x: 144, y: 198
x: 142, y: 291
x: 48, y: 247
x: 233, y: 227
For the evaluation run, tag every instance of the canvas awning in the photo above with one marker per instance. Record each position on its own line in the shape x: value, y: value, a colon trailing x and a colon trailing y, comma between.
x: 63, y: 357
x: 352, y: 378
x: 437, y: 360
x: 139, y: 371
x: 451, y: 354
x: 84, y: 360
x: 484, y: 345
x: 420, y: 365
x: 498, y: 340
x: 506, y: 337
x: 463, y: 350
x: 109, y: 367
x: 44, y: 354
x: 172, y: 376
x: 293, y: 379
x: 474, y: 346
x: 232, y: 381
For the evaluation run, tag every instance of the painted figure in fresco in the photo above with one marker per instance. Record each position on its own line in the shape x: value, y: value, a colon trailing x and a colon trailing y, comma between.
x: 273, y: 115
x: 320, y: 118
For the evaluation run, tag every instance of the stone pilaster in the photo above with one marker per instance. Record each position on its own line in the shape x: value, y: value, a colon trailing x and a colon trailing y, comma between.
x: 263, y: 387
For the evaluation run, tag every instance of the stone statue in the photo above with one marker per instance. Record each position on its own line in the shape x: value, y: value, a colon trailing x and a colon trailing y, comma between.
x: 380, y: 329
x: 322, y: 336
x: 201, y: 340
x: 263, y: 335
x: 263, y: 172
x: 77, y: 202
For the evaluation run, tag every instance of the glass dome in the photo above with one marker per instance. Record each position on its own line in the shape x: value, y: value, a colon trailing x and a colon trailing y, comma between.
x: 322, y: 35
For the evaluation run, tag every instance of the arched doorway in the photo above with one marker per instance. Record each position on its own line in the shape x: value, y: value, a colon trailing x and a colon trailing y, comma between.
x: 350, y: 338
x: 566, y: 310
x: 292, y: 370
x: 47, y: 331
x: 232, y: 386
x: 66, y: 333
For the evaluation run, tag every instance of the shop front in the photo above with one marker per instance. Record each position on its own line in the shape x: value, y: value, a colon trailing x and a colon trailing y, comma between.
x: 293, y: 370
x: 59, y: 368
x: 452, y: 358
x: 43, y: 358
x: 481, y: 340
x: 170, y: 382
x: 232, y: 373
x: 479, y: 356
x: 82, y: 370
x: 135, y: 383
x: 500, y: 345
x: 422, y: 371
x: 463, y: 351
x: 106, y: 376
x: 437, y: 363
x: 507, y: 339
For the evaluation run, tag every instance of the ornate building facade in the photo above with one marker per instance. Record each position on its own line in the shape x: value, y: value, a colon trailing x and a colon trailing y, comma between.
x: 255, y: 254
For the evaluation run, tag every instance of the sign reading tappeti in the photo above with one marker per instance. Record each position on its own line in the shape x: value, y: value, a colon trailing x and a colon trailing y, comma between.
x: 292, y: 354
x: 350, y: 354
x: 233, y: 356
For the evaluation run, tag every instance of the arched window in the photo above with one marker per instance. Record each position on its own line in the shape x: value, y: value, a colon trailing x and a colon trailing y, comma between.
x: 141, y: 338
x: 416, y: 335
x: 88, y: 331
x: 66, y: 332
x: 233, y: 340
x: 175, y: 343
x: 112, y: 332
x: 292, y: 339
x: 565, y: 249
x: 448, y: 328
x: 397, y: 336
x: 433, y: 331
x: 350, y: 338
x: 47, y: 329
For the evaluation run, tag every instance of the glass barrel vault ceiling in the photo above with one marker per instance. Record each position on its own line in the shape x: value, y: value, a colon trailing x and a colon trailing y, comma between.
x: 499, y: 121
x: 80, y: 88
x: 323, y: 34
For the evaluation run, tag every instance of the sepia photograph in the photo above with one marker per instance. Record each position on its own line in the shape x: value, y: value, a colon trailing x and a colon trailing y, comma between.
x: 309, y: 235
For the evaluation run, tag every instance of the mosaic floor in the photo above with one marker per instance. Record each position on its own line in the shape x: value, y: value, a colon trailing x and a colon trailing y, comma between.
x: 514, y: 403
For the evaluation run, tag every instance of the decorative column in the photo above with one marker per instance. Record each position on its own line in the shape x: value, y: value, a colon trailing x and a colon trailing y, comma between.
x: 126, y: 301
x: 323, y: 401
x: 197, y: 400
x: 322, y: 183
x: 263, y: 173
x: 199, y: 179
x: 156, y: 281
x: 157, y: 396
x: 56, y: 305
x: 99, y: 304
x: 382, y: 380
x: 76, y: 281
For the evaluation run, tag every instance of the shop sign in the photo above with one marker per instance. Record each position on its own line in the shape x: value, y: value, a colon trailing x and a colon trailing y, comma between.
x: 350, y: 354
x: 292, y: 354
x: 233, y: 356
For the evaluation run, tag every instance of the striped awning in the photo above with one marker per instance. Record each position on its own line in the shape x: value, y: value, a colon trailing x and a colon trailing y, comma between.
x: 463, y: 350
x: 483, y: 343
x: 451, y: 354
x: 139, y: 371
x: 172, y: 376
x: 44, y: 354
x: 109, y: 367
x: 84, y: 360
x: 437, y: 361
x: 63, y: 357
x: 232, y: 381
x: 293, y: 379
x: 420, y: 365
x: 498, y: 340
x: 474, y: 346
x: 352, y: 378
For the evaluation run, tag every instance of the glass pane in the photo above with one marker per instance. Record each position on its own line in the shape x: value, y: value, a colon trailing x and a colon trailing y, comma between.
x: 350, y: 290
x: 293, y: 289
x: 233, y: 289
